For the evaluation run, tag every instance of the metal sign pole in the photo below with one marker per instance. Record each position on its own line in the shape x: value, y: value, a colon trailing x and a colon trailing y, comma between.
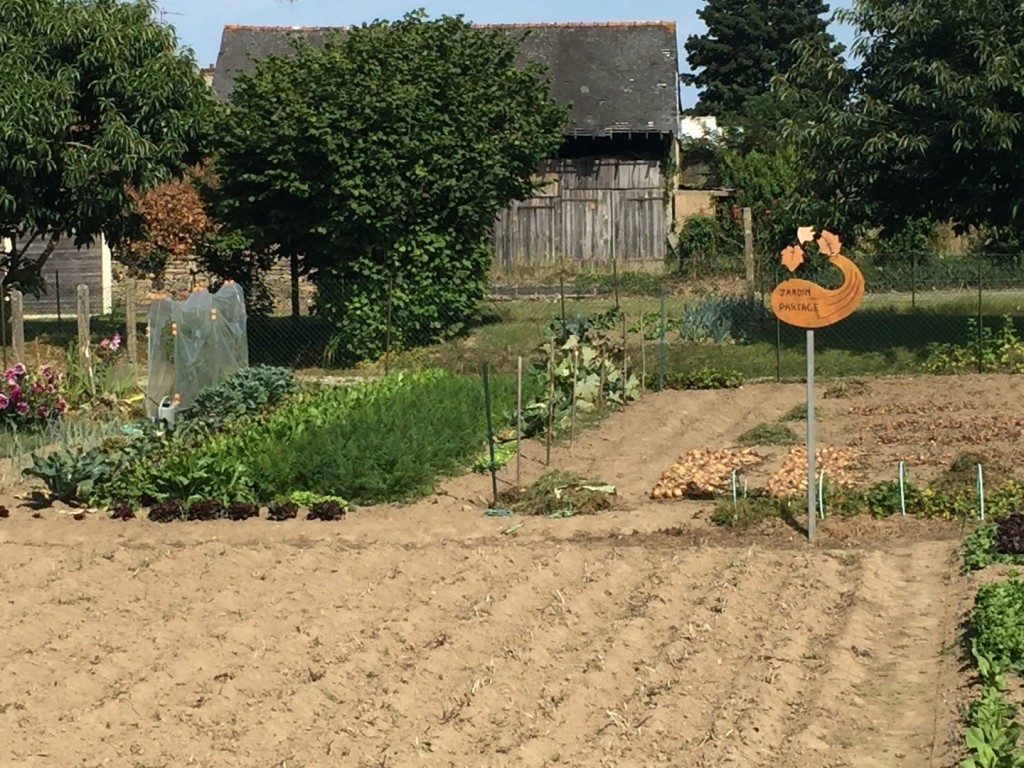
x: 811, y: 468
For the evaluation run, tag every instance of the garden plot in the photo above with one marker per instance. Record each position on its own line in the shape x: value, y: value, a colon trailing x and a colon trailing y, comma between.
x: 429, y: 634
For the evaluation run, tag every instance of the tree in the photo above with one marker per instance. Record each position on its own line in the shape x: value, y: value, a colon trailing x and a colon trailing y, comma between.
x: 379, y: 162
x: 747, y: 43
x: 929, y: 125
x: 95, y: 99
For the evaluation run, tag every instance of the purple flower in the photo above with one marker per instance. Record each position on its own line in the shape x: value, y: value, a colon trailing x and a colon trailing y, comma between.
x: 115, y: 342
x: 22, y: 408
x: 42, y: 411
x: 15, y: 392
x: 62, y: 405
x: 20, y: 369
x: 4, y: 401
x: 37, y: 388
x: 51, y: 388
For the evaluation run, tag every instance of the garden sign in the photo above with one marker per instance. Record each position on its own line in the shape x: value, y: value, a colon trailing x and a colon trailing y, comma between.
x: 808, y: 305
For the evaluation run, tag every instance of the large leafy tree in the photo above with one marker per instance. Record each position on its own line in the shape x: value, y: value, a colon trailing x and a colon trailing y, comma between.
x: 931, y: 124
x: 747, y: 43
x: 379, y: 162
x: 96, y: 99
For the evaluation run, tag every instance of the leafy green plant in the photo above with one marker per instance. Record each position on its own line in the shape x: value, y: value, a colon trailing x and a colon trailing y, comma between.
x: 992, y: 734
x: 503, y: 453
x: 587, y: 365
x: 986, y: 349
x: 746, y: 511
x: 699, y: 378
x: 247, y: 392
x: 308, y: 499
x: 718, y: 319
x: 997, y: 621
x: 71, y: 475
x: 190, y: 476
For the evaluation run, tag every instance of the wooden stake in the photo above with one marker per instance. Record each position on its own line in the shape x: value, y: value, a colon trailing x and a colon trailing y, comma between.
x: 625, y: 358
x: 575, y: 382
x: 551, y: 399
x: 18, y: 325
x: 643, y: 357
x: 84, y: 350
x: 131, y: 325
x: 519, y: 421
x: 748, y: 251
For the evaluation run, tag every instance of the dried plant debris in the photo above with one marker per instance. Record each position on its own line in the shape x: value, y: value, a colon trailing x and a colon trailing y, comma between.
x: 559, y: 493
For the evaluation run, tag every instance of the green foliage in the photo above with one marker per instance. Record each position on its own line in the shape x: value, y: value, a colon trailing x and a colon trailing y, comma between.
x: 561, y: 494
x: 307, y: 499
x: 997, y: 622
x: 388, y: 154
x: 745, y: 46
x: 628, y: 282
x: 992, y: 734
x: 929, y: 126
x: 96, y: 98
x: 984, y: 349
x: 996, y: 542
x: 707, y: 243
x: 699, y: 378
x: 191, y: 476
x: 718, y: 319
x: 386, y: 440
x: 247, y: 392
x: 584, y: 356
x: 72, y: 475
x: 503, y: 454
x: 768, y: 434
x: 747, y: 511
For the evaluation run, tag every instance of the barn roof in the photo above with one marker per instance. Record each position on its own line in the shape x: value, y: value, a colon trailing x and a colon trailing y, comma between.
x: 619, y: 77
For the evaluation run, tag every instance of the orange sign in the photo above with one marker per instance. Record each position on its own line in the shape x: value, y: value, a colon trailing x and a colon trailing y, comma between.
x: 808, y: 305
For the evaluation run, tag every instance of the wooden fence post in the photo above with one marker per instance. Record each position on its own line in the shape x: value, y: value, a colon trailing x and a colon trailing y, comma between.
x: 131, y: 326
x: 18, y: 325
x: 84, y: 350
x: 748, y: 250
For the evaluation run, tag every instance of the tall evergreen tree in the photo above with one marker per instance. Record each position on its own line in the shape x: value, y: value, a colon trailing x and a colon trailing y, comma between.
x: 747, y: 43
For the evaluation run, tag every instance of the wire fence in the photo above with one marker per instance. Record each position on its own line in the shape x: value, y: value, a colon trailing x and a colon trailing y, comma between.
x: 926, y: 315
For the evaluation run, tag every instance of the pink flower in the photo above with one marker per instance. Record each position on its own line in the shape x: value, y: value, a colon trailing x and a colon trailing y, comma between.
x: 20, y: 370
x: 115, y: 343
x: 42, y: 412
x: 15, y: 392
x: 105, y: 344
x: 37, y: 388
x: 4, y: 401
x: 62, y: 405
x: 51, y: 388
x: 22, y: 408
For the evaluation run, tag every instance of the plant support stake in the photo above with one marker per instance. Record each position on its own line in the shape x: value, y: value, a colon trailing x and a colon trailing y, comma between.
x: 551, y: 399
x: 490, y: 438
x: 811, y: 468
x: 821, y: 494
x: 981, y: 493
x: 519, y: 421
x: 575, y: 383
x: 903, y: 489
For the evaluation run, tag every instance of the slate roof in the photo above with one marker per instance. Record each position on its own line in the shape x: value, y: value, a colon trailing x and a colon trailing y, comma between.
x: 619, y: 77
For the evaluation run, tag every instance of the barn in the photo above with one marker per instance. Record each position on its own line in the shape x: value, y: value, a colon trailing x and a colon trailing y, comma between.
x: 607, y: 195
x: 67, y: 267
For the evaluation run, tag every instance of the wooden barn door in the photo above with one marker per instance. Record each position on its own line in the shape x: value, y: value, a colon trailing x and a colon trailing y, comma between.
x: 641, y: 228
x: 524, y: 235
x: 587, y: 227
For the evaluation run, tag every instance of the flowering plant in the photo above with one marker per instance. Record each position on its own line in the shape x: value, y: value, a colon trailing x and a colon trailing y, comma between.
x: 30, y: 399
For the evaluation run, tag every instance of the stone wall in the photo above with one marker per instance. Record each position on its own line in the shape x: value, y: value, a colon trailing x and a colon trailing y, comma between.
x: 182, y: 276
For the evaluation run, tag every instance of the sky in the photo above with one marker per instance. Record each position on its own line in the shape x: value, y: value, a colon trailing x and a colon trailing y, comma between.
x: 199, y: 22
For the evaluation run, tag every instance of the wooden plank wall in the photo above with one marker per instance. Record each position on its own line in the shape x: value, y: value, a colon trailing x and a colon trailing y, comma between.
x: 76, y: 267
x: 593, y: 211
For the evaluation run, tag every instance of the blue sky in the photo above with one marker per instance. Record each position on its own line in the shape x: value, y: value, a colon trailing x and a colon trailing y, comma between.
x: 199, y: 22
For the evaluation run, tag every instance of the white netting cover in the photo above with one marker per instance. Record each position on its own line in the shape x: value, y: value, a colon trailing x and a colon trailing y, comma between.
x: 194, y: 343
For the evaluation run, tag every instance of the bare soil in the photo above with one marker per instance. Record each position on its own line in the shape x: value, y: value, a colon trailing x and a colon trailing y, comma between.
x: 433, y: 635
